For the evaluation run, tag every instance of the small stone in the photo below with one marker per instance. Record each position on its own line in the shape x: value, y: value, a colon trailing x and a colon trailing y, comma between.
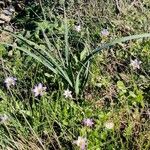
x: 11, y: 9
x: 9, y: 1
x: 5, y: 18
x: 2, y: 22
x: 7, y: 12
x: 2, y: 3
x: 9, y: 28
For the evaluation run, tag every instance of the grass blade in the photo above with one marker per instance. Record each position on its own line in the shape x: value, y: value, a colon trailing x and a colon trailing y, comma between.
x: 66, y: 39
x: 47, y: 40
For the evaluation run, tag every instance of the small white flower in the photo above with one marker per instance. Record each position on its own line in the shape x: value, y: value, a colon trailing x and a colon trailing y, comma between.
x: 135, y: 64
x: 81, y: 142
x: 10, y: 81
x: 109, y: 125
x: 3, y: 118
x: 78, y: 28
x: 39, y: 90
x: 105, y: 32
x: 67, y: 94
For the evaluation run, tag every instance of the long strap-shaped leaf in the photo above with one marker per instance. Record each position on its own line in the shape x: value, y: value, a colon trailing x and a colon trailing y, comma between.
x: 79, y: 84
x: 66, y: 39
x: 41, y: 60
x: 48, y: 43
x: 90, y: 56
x: 47, y: 64
x: 36, y: 47
x: 51, y: 58
x: 112, y: 43
x: 85, y: 75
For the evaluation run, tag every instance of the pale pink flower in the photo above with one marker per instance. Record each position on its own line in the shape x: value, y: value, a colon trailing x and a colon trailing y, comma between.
x: 105, y: 32
x: 39, y: 90
x: 135, y: 64
x: 81, y: 142
x: 88, y: 122
x: 10, y: 81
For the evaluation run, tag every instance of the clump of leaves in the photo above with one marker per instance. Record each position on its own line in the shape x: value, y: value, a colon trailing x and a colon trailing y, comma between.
x: 73, y: 70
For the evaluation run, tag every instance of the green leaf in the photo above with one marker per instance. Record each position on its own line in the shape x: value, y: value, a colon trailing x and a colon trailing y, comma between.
x: 140, y: 98
x: 47, y: 40
x: 132, y: 94
x: 2, y: 50
x: 46, y: 59
x: 121, y: 85
x: 77, y: 84
x: 83, y: 53
x: 66, y: 40
x: 114, y: 42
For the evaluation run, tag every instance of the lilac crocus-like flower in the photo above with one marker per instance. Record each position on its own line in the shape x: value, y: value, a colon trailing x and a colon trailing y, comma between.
x: 78, y: 28
x: 81, y: 142
x: 135, y: 64
x: 39, y: 90
x: 67, y: 94
x: 10, y: 81
x: 88, y: 122
x: 104, y: 32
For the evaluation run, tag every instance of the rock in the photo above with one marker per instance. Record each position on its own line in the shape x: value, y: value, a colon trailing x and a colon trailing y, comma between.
x: 2, y: 3
x: 8, y: 28
x: 12, y: 9
x: 2, y: 22
x: 7, y: 12
x: 5, y: 17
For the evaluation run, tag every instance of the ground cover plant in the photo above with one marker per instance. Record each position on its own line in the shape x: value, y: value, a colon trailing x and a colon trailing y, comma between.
x: 74, y: 75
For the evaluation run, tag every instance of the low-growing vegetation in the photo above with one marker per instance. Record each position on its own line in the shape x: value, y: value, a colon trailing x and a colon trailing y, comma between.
x: 74, y: 75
